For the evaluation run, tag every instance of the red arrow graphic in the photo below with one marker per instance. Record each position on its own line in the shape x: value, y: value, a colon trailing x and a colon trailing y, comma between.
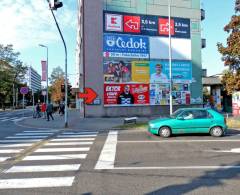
x: 89, y: 95
x: 132, y: 25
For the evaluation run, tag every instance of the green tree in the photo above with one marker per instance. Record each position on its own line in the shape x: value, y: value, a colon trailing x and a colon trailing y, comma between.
x: 231, y: 52
x: 57, y: 73
x: 12, y: 72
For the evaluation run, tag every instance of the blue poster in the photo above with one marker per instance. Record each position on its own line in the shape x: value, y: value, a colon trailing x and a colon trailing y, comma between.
x: 181, y: 71
x: 182, y: 28
x: 125, y: 46
x: 149, y: 25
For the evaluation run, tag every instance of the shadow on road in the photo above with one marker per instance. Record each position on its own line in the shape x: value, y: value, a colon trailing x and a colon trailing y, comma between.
x: 209, y: 179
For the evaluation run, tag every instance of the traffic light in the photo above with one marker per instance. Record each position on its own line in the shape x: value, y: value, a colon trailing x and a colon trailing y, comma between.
x: 62, y: 88
x: 55, y: 4
x: 69, y: 88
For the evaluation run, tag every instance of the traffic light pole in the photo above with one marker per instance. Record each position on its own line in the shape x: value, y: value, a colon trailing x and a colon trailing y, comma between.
x: 65, y: 48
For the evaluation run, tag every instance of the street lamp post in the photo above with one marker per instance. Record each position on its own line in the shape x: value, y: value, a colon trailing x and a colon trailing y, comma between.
x: 46, y: 70
x: 170, y: 56
x: 55, y: 6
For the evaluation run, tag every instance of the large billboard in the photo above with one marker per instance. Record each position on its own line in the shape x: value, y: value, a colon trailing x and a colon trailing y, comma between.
x: 125, y: 46
x: 135, y: 59
x: 126, y: 94
x: 150, y: 25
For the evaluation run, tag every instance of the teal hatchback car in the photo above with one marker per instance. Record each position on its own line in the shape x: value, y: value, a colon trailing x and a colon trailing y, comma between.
x: 190, y: 120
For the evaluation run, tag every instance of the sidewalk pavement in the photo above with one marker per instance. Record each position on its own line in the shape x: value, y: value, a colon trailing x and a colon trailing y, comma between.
x: 74, y: 122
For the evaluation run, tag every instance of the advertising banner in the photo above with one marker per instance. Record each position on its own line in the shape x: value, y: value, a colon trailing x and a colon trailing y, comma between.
x: 125, y: 46
x: 44, y: 70
x: 150, y: 25
x: 181, y: 71
x: 126, y: 94
x: 236, y: 103
x: 181, y: 48
x: 159, y: 94
x: 140, y: 71
x: 117, y: 71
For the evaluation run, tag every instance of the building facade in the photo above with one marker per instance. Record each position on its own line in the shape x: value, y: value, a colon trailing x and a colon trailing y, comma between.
x: 33, y: 79
x: 123, y: 55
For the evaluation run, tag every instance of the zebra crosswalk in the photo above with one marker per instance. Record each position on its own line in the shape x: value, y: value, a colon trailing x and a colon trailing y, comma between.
x: 53, y: 163
x: 12, y: 119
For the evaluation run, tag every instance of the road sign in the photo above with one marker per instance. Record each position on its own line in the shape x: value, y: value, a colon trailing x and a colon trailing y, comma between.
x: 44, y: 93
x: 24, y: 90
x: 89, y: 95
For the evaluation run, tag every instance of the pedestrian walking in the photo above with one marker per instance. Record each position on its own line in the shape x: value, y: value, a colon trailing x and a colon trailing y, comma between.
x: 61, y: 109
x: 49, y: 111
x: 38, y: 110
x: 43, y: 109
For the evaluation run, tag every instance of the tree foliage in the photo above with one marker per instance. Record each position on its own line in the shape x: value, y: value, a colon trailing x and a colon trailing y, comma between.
x: 12, y: 71
x: 57, y: 73
x: 56, y: 93
x: 231, y: 52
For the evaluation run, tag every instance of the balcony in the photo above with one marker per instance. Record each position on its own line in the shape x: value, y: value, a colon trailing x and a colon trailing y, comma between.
x: 202, y: 14
x: 203, y: 43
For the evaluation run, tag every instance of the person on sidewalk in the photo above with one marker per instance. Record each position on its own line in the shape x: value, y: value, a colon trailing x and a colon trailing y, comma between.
x: 38, y: 110
x: 44, y: 107
x: 49, y: 111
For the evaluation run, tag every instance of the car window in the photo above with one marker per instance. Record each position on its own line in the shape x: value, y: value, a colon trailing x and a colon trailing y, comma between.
x: 200, y: 114
x: 176, y: 113
x: 187, y: 115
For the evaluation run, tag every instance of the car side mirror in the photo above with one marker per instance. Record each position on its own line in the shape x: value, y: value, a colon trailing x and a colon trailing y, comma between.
x: 180, y: 118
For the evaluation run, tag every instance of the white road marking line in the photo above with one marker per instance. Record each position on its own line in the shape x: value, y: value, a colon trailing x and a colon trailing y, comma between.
x: 13, y: 118
x: 26, y: 137
x: 20, y: 141
x: 19, y: 119
x: 29, y: 134
x: 233, y: 150
x: 43, y: 168
x: 14, y: 145
x: 7, y: 119
x: 10, y: 151
x: 178, y: 167
x: 36, y: 182
x: 41, y: 131
x: 69, y: 136
x: 68, y: 143
x: 79, y: 133
x: 55, y: 157
x: 73, y: 139
x: 62, y: 149
x: 107, y: 156
x: 179, y: 141
x: 4, y: 158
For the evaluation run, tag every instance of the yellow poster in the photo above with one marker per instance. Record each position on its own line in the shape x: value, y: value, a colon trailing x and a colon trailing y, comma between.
x: 140, y: 71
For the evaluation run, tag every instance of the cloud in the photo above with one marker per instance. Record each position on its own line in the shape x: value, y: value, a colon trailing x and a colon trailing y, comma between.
x: 26, y: 23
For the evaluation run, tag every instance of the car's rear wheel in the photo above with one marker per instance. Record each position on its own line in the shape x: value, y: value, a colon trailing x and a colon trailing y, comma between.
x: 165, y: 132
x: 216, y: 132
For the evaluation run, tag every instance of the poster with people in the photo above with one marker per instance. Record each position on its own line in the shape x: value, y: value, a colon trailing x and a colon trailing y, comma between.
x: 126, y: 94
x: 158, y: 72
x: 117, y: 71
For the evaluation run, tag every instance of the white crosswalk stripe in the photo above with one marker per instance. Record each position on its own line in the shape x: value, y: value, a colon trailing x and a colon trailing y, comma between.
x: 36, y: 182
x: 43, y: 168
x: 59, y: 155
x: 12, y: 119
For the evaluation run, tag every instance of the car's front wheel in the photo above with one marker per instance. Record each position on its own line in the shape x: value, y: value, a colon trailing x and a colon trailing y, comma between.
x: 216, y: 132
x: 164, y: 132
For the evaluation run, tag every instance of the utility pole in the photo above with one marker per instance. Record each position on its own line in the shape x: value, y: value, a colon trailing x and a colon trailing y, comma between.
x: 54, y: 5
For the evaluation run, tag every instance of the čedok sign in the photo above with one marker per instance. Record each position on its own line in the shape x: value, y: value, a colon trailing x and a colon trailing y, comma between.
x: 125, y: 46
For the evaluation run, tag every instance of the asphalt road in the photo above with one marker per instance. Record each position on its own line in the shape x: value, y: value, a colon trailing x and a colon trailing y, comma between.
x: 53, y: 161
